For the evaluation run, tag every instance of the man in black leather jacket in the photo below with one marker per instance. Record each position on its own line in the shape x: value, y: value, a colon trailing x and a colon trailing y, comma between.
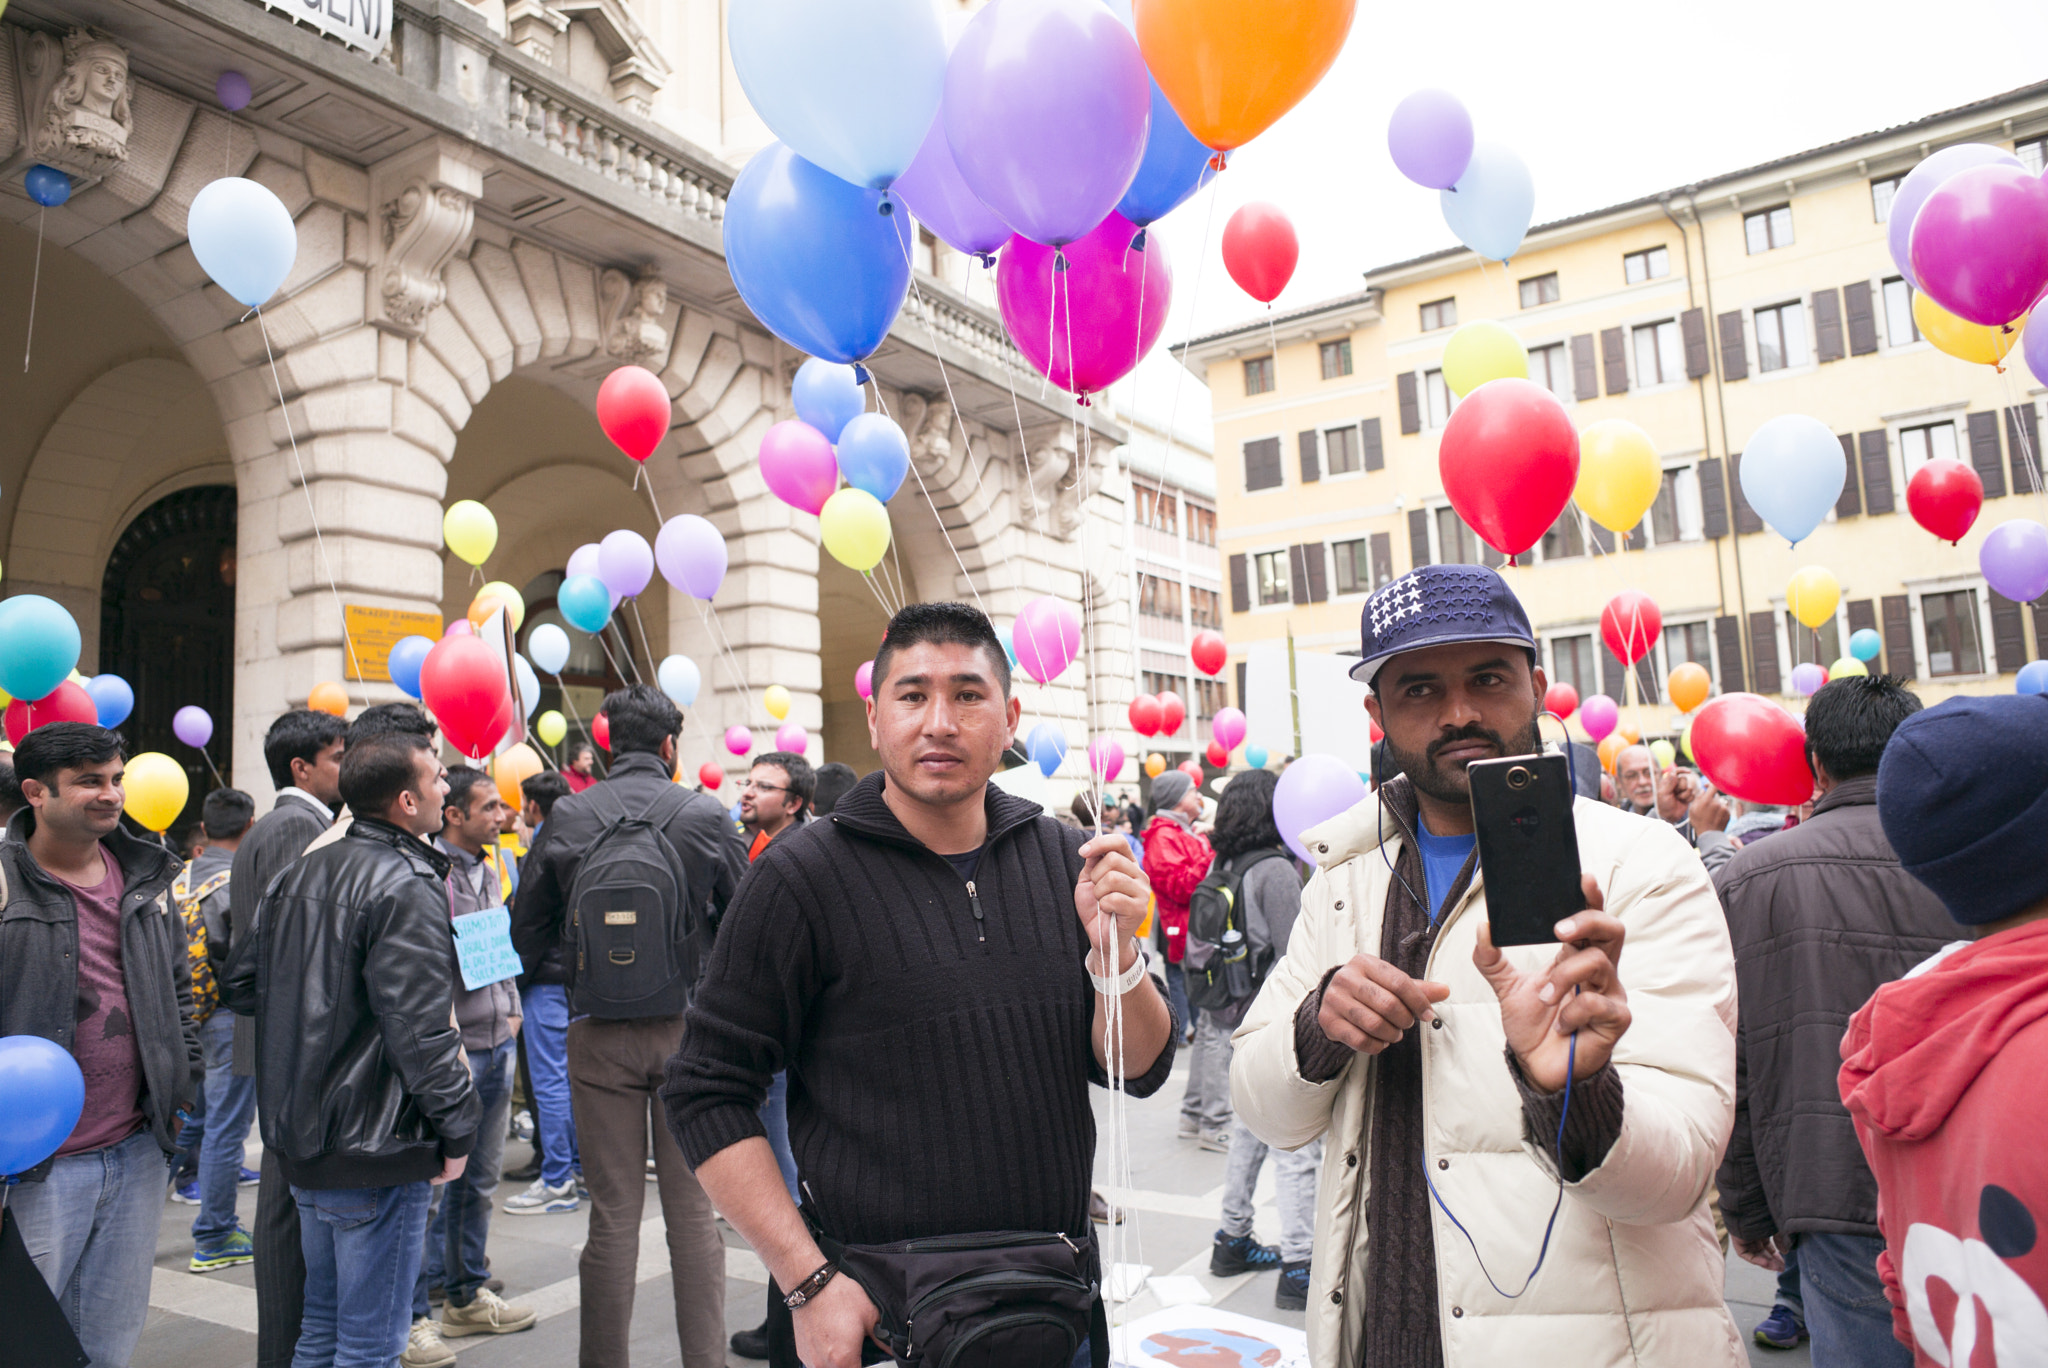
x: 366, y: 1094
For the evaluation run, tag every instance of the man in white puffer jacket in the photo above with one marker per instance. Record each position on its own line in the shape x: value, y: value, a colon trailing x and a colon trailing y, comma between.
x: 1434, y: 1063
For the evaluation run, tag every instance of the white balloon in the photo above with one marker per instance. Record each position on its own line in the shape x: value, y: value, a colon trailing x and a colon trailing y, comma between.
x: 679, y: 679
x: 549, y: 647
x: 529, y: 685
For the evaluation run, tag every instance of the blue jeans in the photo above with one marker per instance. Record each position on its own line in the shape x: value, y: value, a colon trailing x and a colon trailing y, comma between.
x: 230, y: 1108
x: 547, y: 1068
x: 1177, y: 995
x: 362, y: 1248
x: 1846, y: 1310
x: 1788, y: 1294
x: 90, y: 1227
x: 459, y: 1225
x: 775, y: 1116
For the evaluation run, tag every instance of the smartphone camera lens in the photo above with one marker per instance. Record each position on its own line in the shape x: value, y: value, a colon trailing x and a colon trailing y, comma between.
x: 1518, y: 778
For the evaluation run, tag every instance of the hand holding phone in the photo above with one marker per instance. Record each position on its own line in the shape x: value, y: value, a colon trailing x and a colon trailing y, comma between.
x: 1528, y: 845
x: 1580, y: 993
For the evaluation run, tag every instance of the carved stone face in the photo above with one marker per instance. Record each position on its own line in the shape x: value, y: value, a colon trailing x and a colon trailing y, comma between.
x: 650, y: 298
x: 106, y: 81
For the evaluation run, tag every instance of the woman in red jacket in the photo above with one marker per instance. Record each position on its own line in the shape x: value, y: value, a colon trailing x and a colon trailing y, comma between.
x: 1176, y: 859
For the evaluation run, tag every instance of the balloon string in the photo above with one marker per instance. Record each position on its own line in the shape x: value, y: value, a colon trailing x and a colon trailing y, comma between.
x: 35, y: 286
x: 544, y: 750
x: 646, y: 646
x: 613, y: 660
x: 570, y: 704
x: 2029, y: 456
x: 210, y: 765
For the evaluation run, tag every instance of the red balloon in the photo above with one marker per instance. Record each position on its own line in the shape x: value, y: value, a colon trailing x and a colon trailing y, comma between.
x: 1753, y: 749
x: 1561, y: 699
x: 1208, y: 652
x: 1218, y: 756
x: 1146, y: 715
x: 1193, y: 770
x: 711, y: 774
x: 1260, y: 250
x: 1630, y: 625
x: 65, y: 703
x: 1172, y: 712
x: 463, y: 682
x: 1944, y: 497
x: 633, y: 409
x: 601, y: 731
x: 1372, y: 731
x: 1509, y: 458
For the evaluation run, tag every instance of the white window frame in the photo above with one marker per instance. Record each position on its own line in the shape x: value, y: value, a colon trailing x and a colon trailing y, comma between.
x: 1687, y: 509
x: 1646, y: 253
x: 1547, y: 640
x: 1585, y: 526
x: 1570, y: 394
x: 1286, y: 600
x: 1792, y: 227
x: 1272, y: 358
x: 1663, y: 656
x: 1351, y: 358
x: 2040, y: 150
x: 1537, y: 280
x: 1916, y: 591
x: 1451, y: 300
x: 1636, y: 376
x: 1429, y: 423
x: 1781, y: 609
x: 1357, y: 426
x: 1893, y: 182
x: 1436, y: 547
x: 1895, y: 440
x: 1883, y: 308
x: 1364, y: 539
x: 1804, y: 303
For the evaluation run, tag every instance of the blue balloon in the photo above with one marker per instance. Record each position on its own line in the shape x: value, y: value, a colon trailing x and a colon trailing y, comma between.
x: 2033, y: 678
x: 1171, y: 171
x: 41, y: 1094
x: 1047, y: 746
x: 1491, y: 205
x: 828, y: 397
x: 1865, y: 643
x: 244, y: 238
x: 1792, y: 473
x: 1003, y: 634
x: 111, y: 698
x: 38, y: 646
x: 407, y: 655
x: 1255, y: 756
x: 585, y: 601
x: 874, y: 455
x: 47, y: 185
x: 818, y: 260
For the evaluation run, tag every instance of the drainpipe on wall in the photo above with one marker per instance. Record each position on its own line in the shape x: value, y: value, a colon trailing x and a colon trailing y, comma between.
x: 1727, y: 452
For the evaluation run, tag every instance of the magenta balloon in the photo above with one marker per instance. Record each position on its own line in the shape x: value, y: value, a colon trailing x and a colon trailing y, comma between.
x: 1922, y: 181
x: 1227, y: 726
x: 2014, y: 559
x: 864, y: 679
x: 791, y: 737
x: 940, y: 200
x: 1430, y: 137
x: 193, y: 726
x: 1599, y: 716
x: 625, y: 562
x: 798, y: 464
x: 460, y: 627
x: 691, y: 554
x: 1980, y: 244
x: 1047, y: 636
x: 1105, y: 285
x: 738, y: 740
x: 1046, y: 110
x: 1105, y: 759
x: 1314, y: 789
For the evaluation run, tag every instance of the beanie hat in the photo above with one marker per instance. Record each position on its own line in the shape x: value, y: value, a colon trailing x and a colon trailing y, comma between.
x: 1169, y: 788
x: 1963, y: 795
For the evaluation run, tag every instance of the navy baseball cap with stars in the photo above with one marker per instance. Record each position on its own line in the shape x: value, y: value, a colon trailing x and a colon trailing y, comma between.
x: 1438, y: 605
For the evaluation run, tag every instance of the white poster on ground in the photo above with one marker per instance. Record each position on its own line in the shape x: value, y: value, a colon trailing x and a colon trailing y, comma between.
x: 1333, y: 719
x: 1205, y: 1337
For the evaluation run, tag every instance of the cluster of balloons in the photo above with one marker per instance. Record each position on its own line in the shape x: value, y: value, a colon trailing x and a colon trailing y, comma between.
x: 832, y: 435
x: 1969, y: 230
x: 39, y: 646
x: 1157, y: 714
x: 1484, y: 188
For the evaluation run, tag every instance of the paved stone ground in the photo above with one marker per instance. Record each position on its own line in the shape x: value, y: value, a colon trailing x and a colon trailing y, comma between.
x: 209, y: 1321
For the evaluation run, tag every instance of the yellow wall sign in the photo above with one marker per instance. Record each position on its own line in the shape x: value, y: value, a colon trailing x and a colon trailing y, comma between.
x: 374, y: 631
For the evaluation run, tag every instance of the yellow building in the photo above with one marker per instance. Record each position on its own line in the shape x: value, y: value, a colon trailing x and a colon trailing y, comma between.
x: 1698, y: 314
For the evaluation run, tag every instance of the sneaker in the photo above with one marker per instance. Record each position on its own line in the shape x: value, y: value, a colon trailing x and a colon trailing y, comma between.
x: 1188, y: 1129
x: 751, y: 1344
x: 487, y: 1314
x: 186, y: 1193
x: 582, y: 1188
x: 1235, y: 1254
x: 424, y: 1348
x: 1784, y: 1328
x: 437, y: 1295
x: 542, y: 1200
x: 233, y: 1248
x: 1215, y: 1141
x: 250, y: 1178
x: 1291, y: 1293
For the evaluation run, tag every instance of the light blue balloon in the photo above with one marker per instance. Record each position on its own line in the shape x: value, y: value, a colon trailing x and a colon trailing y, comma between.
x: 680, y: 679
x: 549, y: 647
x: 1255, y: 756
x: 111, y: 698
x: 874, y: 455
x: 1009, y: 643
x: 1171, y: 171
x: 38, y: 646
x: 1046, y: 746
x: 1491, y: 205
x: 1792, y: 474
x: 529, y: 686
x: 852, y: 87
x: 585, y: 601
x: 2033, y: 678
x: 815, y: 258
x: 243, y: 236
x: 408, y: 653
x: 1865, y: 643
x: 828, y: 397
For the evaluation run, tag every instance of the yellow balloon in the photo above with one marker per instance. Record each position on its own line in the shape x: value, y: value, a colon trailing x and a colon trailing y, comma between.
x: 1155, y: 765
x: 1847, y: 665
x: 157, y: 789
x: 470, y: 531
x: 1666, y: 755
x: 5, y: 698
x: 855, y: 529
x: 550, y: 727
x: 1812, y: 595
x: 1619, y: 474
x: 1974, y: 342
x: 1685, y: 742
x: 775, y: 699
x: 1689, y: 686
x: 518, y: 764
x: 514, y: 602
x: 1483, y: 351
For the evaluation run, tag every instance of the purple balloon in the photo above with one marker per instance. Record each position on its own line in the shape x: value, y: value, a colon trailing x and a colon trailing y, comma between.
x: 1430, y: 136
x: 232, y: 90
x: 1922, y: 181
x: 2034, y: 346
x: 691, y: 554
x: 625, y: 562
x: 1047, y: 107
x: 586, y: 560
x: 1980, y: 244
x: 1314, y: 789
x: 193, y: 726
x: 1807, y: 679
x: 940, y: 200
x: 2014, y: 559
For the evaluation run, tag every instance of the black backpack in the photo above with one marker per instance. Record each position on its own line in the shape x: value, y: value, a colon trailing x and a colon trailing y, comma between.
x: 1213, y: 910
x: 636, y: 932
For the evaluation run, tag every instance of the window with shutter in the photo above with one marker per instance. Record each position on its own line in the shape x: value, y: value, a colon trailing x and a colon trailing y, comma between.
x: 1418, y: 537
x: 1490, y: 558
x: 1240, y: 585
x: 1317, y: 565
x: 1827, y: 325
x: 1613, y: 678
x: 1763, y: 651
x: 1746, y: 518
x: 1875, y: 461
x: 1241, y: 703
x: 1851, y: 502
x: 1602, y: 538
x: 1411, y: 407
x: 1375, y: 449
x: 1311, y: 469
x: 1614, y: 360
x: 1692, y: 325
x: 1262, y: 465
x: 1862, y: 318
x: 1647, y: 688
x: 1734, y: 354
x: 1728, y: 645
x: 1862, y: 615
x: 1985, y: 457
x: 2008, y: 633
x: 1297, y: 572
x: 2023, y: 440
x: 1898, y: 636
x: 1585, y: 369
x: 1382, y: 552
x: 1713, y: 500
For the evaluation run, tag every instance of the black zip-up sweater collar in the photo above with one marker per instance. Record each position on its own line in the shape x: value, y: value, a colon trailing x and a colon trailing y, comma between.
x: 865, y: 812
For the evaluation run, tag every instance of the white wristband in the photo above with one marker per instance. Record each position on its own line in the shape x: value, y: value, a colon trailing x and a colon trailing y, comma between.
x: 1122, y: 983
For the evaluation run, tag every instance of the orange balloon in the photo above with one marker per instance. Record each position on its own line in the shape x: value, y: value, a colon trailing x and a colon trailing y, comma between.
x: 1155, y: 764
x: 328, y: 698
x: 517, y: 765
x: 1230, y: 69
x: 1629, y: 733
x: 1611, y: 748
x: 481, y: 607
x: 1689, y: 686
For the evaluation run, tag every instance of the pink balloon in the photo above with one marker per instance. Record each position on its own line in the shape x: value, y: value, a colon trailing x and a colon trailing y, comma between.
x: 791, y: 737
x: 1599, y: 716
x: 1227, y: 726
x: 1105, y: 759
x: 738, y: 740
x: 798, y: 464
x: 1980, y: 243
x: 1047, y: 637
x: 1086, y: 327
x: 459, y: 627
x: 864, y: 679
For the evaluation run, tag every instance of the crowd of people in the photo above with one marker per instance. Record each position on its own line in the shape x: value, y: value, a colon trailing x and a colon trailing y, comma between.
x: 845, y: 1015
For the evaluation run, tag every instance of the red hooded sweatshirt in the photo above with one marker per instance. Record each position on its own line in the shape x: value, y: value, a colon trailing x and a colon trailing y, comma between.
x: 1946, y: 1075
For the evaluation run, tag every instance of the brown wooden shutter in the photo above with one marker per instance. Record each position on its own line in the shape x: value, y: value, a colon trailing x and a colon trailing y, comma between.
x: 2023, y: 440
x: 1862, y: 615
x: 1311, y: 458
x: 1728, y: 645
x: 1411, y: 411
x: 1851, y: 502
x: 1585, y: 371
x: 1375, y: 449
x: 2041, y: 627
x: 1614, y: 359
x: 1862, y: 318
x: 1874, y: 450
x: 1734, y: 355
x: 1418, y: 537
x: 1262, y: 465
x: 1382, y: 558
x: 2008, y: 633
x: 1692, y: 326
x: 1898, y: 636
x: 1242, y: 705
x: 1827, y: 325
x: 1713, y: 499
x: 1613, y: 678
x: 1648, y: 689
x: 1985, y: 457
x: 1317, y: 564
x: 1297, y: 575
x: 1240, y: 585
x: 1747, y: 519
x: 1763, y: 651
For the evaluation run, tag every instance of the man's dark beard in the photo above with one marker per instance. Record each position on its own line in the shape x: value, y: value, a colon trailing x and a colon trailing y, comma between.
x: 1451, y: 785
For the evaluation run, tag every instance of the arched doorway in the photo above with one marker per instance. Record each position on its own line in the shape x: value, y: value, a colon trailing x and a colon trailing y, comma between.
x: 167, y: 626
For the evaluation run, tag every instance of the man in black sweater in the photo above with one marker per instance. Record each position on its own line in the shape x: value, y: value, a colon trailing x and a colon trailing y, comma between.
x: 921, y: 965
